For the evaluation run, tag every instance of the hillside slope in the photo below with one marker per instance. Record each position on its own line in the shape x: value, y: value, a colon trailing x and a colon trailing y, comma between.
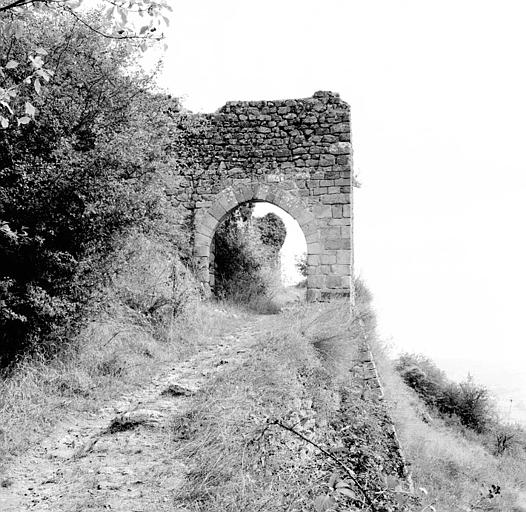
x: 260, y: 416
x: 266, y: 412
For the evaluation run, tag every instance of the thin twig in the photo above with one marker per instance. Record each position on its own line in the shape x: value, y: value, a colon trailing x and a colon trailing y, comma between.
x: 349, y: 472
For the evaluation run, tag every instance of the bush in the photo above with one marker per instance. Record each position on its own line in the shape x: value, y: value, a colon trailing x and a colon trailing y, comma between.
x: 467, y: 401
x: 72, y: 181
x: 244, y: 266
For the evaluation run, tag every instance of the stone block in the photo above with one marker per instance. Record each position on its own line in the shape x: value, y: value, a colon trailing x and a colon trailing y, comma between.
x: 310, y: 227
x: 345, y: 231
x: 206, y: 224
x: 334, y: 281
x: 313, y: 295
x: 316, y: 281
x: 335, y: 199
x: 342, y: 270
x: 312, y: 270
x: 340, y: 148
x: 313, y: 259
x: 327, y: 160
x: 341, y: 128
x: 340, y: 222
x: 202, y: 240
x: 261, y: 192
x: 202, y: 251
x: 334, y: 244
x: 322, y: 211
x: 328, y: 259
x: 315, y: 248
x: 218, y: 211
x: 333, y: 232
x: 343, y: 257
x: 337, y: 211
x: 312, y: 237
x: 346, y: 210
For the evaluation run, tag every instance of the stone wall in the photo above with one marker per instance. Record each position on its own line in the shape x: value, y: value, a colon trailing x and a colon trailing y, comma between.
x: 295, y: 154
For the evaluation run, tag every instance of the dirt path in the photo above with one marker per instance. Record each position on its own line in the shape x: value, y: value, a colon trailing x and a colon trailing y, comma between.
x: 119, y: 459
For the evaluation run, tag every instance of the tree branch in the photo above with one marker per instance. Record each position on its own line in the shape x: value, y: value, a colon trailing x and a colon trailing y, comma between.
x: 350, y: 473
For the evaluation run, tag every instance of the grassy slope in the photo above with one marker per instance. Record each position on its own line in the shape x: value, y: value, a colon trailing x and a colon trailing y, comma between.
x: 297, y: 373
x: 120, y: 348
x: 452, y: 464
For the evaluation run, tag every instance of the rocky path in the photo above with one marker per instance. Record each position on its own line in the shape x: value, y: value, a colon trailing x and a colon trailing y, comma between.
x: 121, y: 458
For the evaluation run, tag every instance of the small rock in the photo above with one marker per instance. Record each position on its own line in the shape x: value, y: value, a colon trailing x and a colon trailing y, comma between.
x: 176, y: 390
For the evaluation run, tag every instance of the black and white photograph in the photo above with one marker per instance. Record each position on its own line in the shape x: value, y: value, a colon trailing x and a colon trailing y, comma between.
x: 262, y: 256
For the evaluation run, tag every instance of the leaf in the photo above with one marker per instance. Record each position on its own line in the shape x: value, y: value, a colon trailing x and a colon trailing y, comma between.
x: 38, y: 87
x: 41, y: 51
x: 24, y: 120
x: 30, y: 109
x: 323, y: 503
x: 347, y: 492
x: 43, y: 73
x: 4, y: 122
x: 12, y: 64
x: 36, y: 61
x: 343, y: 484
x: 332, y: 480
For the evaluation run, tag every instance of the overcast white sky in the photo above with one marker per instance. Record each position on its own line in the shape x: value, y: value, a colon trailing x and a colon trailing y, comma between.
x: 438, y: 98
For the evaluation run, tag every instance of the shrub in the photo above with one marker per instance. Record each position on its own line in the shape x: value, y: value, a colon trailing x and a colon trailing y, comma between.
x: 244, y: 266
x: 72, y: 181
x: 467, y: 401
x: 272, y: 232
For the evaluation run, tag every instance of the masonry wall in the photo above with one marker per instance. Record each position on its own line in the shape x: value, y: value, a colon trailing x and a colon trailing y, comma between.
x: 296, y: 154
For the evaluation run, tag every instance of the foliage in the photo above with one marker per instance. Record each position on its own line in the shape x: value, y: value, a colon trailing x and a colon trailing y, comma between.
x: 29, y: 71
x: 467, y: 401
x: 272, y: 232
x: 84, y: 171
x: 301, y: 264
x: 241, y: 259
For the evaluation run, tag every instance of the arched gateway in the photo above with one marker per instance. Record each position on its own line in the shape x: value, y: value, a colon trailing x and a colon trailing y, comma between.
x: 295, y: 154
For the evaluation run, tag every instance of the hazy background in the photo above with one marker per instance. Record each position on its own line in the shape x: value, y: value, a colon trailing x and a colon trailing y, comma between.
x: 438, y: 98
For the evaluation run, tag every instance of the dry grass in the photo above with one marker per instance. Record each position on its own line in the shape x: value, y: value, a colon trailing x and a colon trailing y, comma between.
x: 453, y: 465
x: 236, y: 460
x: 151, y: 315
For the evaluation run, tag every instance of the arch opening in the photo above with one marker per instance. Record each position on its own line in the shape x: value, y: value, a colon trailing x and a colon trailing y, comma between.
x: 326, y: 228
x: 258, y: 250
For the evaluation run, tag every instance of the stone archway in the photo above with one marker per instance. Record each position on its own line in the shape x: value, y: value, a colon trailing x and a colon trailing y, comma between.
x: 207, y: 221
x: 296, y: 154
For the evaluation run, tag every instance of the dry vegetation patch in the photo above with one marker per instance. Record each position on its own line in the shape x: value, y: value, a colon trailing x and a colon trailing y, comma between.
x: 286, y: 428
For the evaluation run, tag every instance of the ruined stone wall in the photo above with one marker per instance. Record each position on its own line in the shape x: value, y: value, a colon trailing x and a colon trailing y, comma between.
x: 293, y: 153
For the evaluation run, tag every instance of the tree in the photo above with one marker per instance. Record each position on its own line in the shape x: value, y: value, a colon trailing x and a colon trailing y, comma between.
x: 84, y: 171
x: 137, y: 21
x: 272, y: 232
